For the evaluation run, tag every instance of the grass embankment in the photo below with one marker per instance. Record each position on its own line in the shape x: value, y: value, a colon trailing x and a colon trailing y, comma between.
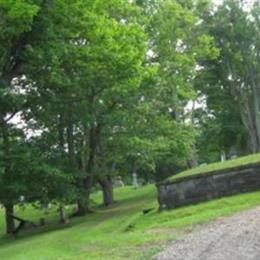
x: 119, y: 232
x: 241, y: 161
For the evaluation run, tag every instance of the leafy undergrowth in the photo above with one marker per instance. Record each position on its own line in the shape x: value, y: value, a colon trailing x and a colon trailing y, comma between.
x: 118, y: 232
x: 244, y: 160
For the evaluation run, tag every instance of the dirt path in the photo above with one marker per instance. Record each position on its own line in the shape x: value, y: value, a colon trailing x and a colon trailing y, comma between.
x: 231, y: 238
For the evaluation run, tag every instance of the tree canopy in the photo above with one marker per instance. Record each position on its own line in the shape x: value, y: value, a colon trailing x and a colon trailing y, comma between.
x: 91, y: 90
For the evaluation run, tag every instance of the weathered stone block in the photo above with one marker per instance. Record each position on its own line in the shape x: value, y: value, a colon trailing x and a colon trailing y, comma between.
x: 206, y: 186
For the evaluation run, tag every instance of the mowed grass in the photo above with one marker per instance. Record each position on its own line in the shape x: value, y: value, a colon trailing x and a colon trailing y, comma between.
x: 118, y: 232
x: 244, y: 160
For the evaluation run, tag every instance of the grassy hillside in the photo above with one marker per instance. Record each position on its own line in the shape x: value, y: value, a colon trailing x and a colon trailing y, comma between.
x: 119, y: 232
x: 255, y: 158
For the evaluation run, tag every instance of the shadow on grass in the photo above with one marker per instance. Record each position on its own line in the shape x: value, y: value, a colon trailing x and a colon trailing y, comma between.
x: 121, y: 208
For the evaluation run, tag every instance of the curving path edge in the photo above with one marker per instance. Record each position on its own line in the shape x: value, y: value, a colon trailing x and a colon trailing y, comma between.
x: 228, y: 238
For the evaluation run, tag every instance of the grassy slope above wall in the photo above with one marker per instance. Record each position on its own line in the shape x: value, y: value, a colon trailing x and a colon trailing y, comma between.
x: 241, y: 161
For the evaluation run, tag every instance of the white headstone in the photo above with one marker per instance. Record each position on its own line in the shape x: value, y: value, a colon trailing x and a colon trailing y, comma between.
x: 135, y: 180
x: 223, y: 156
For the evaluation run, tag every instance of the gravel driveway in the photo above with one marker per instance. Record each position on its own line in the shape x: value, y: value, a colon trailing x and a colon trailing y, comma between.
x: 230, y: 238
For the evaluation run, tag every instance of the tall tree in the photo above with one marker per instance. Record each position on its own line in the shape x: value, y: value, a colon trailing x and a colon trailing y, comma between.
x: 236, y: 32
x: 89, y: 66
x: 178, y: 45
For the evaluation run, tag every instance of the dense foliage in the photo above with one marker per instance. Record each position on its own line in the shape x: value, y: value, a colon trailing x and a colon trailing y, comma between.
x: 90, y: 90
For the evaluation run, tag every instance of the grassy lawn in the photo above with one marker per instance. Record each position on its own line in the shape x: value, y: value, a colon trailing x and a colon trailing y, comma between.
x: 119, y: 232
x: 244, y: 160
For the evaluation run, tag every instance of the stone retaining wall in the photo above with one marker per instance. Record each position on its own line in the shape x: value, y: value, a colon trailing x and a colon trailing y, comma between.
x: 206, y: 186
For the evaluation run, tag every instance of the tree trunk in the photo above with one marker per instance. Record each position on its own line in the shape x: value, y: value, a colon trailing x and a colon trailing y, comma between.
x: 193, y: 160
x: 9, y: 212
x: 84, y: 199
x: 107, y: 189
x: 247, y: 120
x: 71, y: 146
x: 83, y: 208
x: 87, y: 181
x: 9, y: 207
x: 256, y: 116
x: 61, y: 133
x: 252, y: 100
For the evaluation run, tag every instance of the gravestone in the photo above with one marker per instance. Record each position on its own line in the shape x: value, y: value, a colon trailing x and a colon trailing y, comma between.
x: 135, y: 180
x: 119, y: 182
